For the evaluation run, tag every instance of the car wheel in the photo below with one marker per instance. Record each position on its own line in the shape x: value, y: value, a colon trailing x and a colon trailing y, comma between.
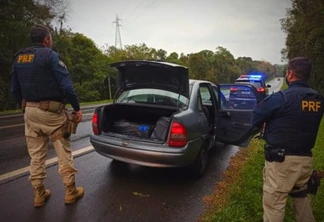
x: 197, y: 169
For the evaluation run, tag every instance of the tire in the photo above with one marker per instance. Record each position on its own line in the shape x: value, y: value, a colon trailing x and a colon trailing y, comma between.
x: 198, y: 168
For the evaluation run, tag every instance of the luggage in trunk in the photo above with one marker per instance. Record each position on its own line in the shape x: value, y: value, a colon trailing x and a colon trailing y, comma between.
x: 133, y: 129
x: 161, y: 128
x: 141, y: 122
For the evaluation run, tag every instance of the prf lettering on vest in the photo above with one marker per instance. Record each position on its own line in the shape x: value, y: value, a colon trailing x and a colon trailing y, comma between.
x: 311, y: 106
x: 25, y: 58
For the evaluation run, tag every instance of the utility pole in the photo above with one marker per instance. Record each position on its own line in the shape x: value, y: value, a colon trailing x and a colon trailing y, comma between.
x: 109, y: 87
x: 118, y: 41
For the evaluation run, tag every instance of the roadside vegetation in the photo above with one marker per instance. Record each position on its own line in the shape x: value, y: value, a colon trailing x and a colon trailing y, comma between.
x: 238, y: 197
x: 88, y: 63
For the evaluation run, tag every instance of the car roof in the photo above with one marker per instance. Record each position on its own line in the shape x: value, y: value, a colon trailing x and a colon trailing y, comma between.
x: 255, y: 78
x: 193, y: 81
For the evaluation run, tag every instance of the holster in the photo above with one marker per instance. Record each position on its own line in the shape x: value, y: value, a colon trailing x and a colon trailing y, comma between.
x: 23, y: 105
x: 273, y: 154
x: 313, y: 183
x: 70, y: 125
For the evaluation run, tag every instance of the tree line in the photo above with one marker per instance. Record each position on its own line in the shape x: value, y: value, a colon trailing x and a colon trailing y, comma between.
x: 88, y: 63
x: 303, y: 25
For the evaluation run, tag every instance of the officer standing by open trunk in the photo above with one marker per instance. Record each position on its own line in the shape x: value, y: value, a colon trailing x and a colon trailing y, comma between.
x: 41, y: 84
x: 291, y: 119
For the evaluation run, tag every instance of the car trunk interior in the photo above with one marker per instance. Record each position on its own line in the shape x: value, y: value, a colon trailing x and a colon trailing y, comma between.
x: 137, y: 121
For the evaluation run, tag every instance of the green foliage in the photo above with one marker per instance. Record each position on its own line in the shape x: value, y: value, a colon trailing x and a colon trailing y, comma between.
x: 173, y: 58
x: 198, y: 66
x: 225, y: 66
x: 87, y: 92
x: 280, y: 70
x: 89, y: 65
x: 305, y: 36
x: 245, y: 64
x: 16, y: 18
x: 161, y: 54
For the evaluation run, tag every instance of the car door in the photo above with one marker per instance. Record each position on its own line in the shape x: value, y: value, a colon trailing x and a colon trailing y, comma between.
x: 208, y: 102
x: 235, y: 114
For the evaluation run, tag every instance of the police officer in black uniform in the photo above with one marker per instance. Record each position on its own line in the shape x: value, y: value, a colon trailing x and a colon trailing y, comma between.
x: 291, y: 119
x: 42, y: 85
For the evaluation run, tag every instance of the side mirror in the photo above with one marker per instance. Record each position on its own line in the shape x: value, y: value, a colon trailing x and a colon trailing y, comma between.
x: 268, y: 86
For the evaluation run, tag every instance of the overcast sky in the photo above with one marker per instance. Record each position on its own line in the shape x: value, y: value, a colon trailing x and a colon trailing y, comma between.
x: 245, y: 27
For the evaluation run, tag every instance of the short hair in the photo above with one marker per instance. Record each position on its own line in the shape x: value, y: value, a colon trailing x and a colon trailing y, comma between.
x: 38, y: 33
x: 301, y: 66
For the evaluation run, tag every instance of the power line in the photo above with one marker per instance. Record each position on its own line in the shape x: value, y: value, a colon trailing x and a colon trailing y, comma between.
x: 135, y: 9
x: 151, y: 4
x: 124, y: 8
x: 141, y: 13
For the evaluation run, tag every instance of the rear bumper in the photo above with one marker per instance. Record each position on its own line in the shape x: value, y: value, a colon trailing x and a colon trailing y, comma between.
x: 154, y: 157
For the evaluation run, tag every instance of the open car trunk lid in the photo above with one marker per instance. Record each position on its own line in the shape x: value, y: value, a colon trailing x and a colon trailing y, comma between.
x: 153, y: 74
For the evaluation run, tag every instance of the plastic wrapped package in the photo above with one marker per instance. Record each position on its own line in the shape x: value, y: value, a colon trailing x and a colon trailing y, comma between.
x: 133, y: 129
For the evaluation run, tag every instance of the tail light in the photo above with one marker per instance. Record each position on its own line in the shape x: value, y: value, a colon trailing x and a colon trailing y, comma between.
x: 178, y: 135
x: 233, y: 89
x: 261, y: 89
x: 95, y: 129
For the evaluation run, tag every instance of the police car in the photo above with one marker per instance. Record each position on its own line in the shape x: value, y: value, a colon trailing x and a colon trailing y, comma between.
x: 241, y: 97
x: 257, y: 81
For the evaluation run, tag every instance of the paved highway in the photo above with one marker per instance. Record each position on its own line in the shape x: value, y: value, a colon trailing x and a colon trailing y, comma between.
x: 113, y: 192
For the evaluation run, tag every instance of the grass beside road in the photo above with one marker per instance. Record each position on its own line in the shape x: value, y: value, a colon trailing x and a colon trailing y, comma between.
x: 238, y: 197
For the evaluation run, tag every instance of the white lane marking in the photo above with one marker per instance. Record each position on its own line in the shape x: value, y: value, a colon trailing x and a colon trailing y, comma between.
x: 10, y: 116
x: 47, y: 162
x: 11, y: 126
x: 21, y: 124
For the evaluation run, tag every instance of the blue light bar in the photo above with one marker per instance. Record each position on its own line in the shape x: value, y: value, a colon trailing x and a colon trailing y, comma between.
x: 255, y: 77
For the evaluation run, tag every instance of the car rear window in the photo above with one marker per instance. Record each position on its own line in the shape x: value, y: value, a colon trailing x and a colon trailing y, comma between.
x: 155, y: 96
x: 255, y: 83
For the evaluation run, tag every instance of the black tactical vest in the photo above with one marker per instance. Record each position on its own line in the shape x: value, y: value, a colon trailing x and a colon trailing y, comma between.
x: 34, y: 73
x: 295, y: 124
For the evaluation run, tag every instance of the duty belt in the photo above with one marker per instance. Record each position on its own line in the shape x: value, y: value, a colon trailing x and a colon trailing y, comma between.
x: 50, y: 106
x: 287, y: 153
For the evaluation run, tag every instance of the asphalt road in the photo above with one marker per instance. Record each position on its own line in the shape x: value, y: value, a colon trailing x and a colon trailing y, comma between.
x: 113, y: 192
x: 13, y: 151
x: 117, y: 192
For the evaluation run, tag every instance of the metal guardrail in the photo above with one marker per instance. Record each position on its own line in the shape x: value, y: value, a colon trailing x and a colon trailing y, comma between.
x: 18, y: 113
x: 17, y: 119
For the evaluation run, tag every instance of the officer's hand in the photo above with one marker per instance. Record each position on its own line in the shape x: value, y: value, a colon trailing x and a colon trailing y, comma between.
x: 79, y: 115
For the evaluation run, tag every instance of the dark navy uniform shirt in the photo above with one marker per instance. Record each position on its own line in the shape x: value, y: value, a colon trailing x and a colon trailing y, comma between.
x: 292, y: 118
x: 38, y: 65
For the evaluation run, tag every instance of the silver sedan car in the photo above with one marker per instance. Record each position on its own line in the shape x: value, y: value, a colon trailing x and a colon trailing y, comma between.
x: 160, y: 118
